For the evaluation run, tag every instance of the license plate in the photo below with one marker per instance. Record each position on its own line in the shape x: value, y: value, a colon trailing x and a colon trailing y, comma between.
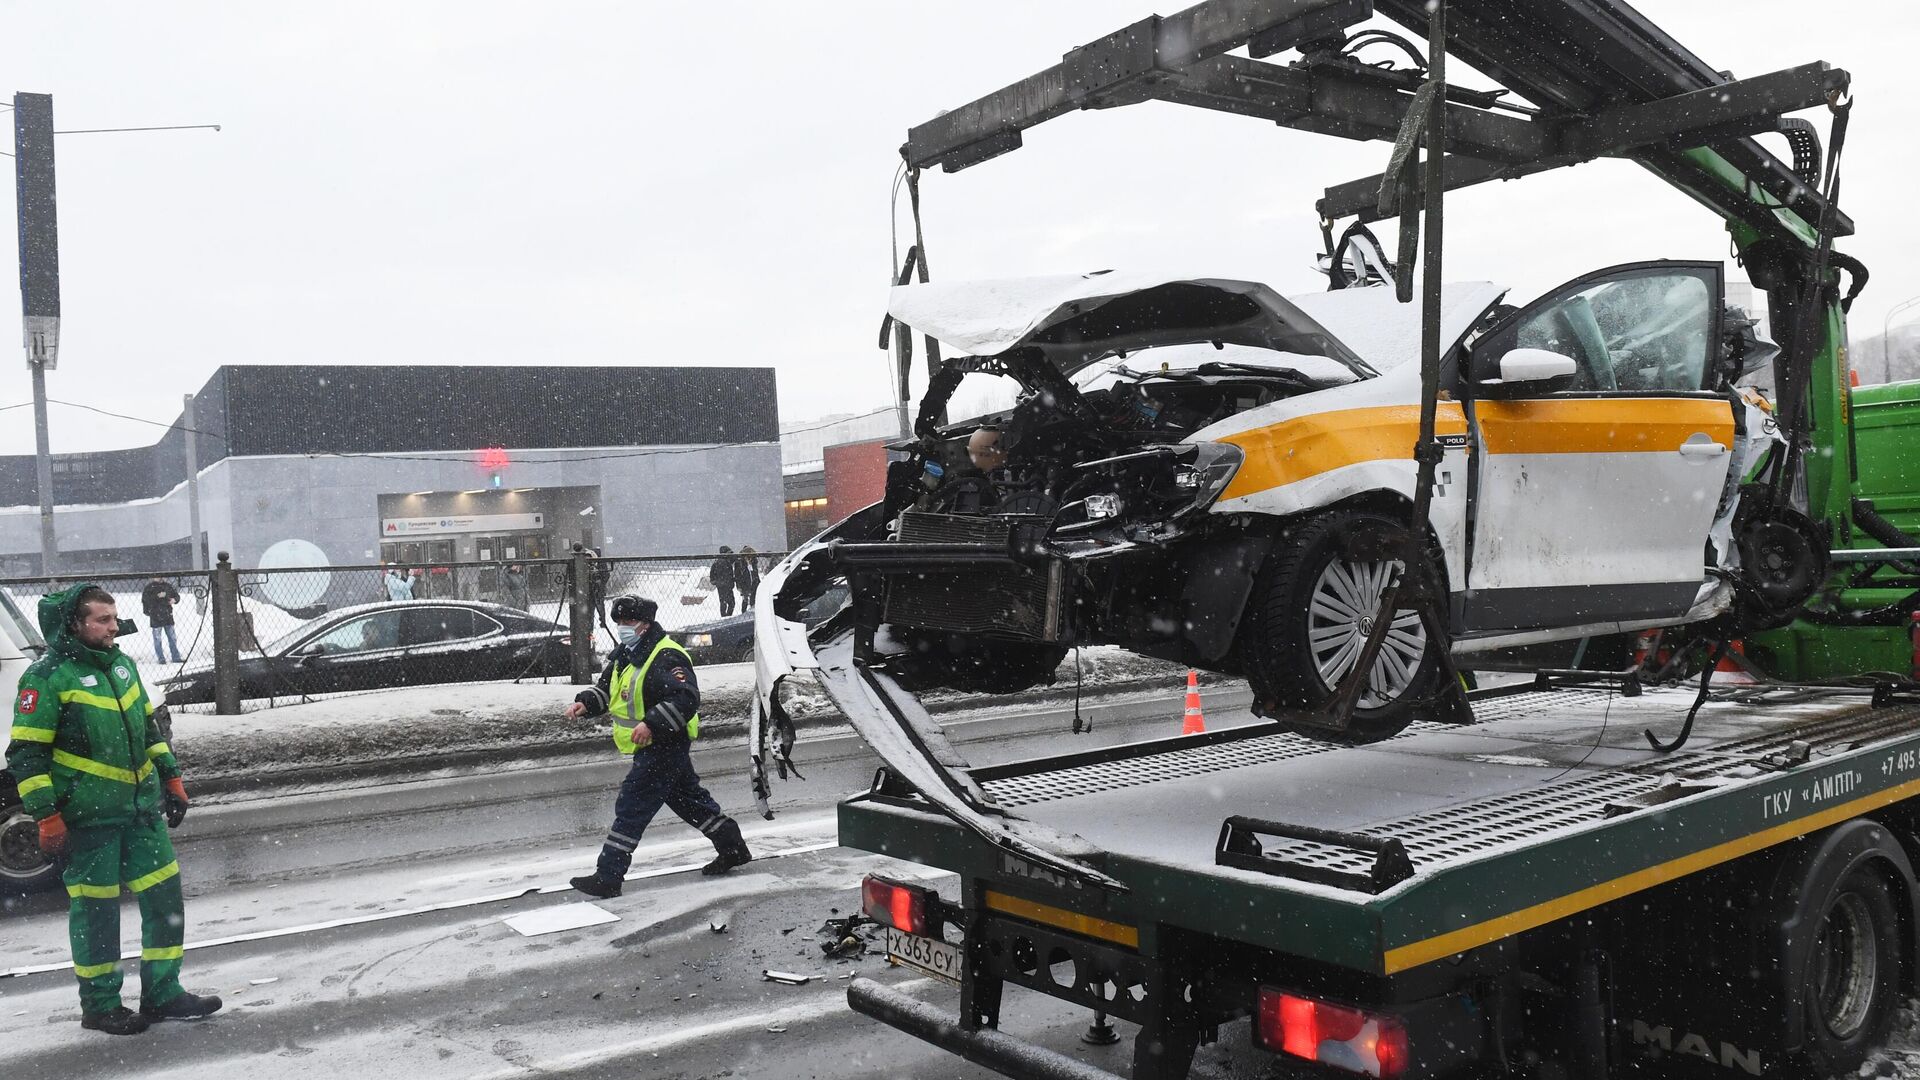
x: 935, y: 958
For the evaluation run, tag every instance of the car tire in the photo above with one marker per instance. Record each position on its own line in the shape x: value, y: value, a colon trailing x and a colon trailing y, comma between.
x: 974, y: 665
x: 1299, y: 627
x: 23, y: 867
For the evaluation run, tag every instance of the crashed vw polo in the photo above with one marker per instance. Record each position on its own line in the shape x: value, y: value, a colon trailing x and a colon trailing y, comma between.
x: 1180, y: 466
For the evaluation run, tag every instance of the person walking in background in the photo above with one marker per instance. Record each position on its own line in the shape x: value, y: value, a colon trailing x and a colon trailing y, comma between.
x: 399, y: 585
x: 747, y: 576
x: 157, y: 601
x: 721, y: 573
x: 514, y: 582
x: 598, y: 574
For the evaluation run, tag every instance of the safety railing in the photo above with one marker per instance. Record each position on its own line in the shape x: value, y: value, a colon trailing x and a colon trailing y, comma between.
x: 229, y: 640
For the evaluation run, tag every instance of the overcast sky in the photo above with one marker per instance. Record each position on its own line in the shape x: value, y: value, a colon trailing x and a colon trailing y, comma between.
x: 624, y: 183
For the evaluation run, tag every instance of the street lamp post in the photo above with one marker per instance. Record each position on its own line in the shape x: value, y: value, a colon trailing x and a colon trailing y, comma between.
x: 1886, y: 329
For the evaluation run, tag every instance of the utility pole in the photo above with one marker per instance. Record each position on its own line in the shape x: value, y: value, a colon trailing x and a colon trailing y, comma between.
x: 39, y: 283
x: 193, y: 484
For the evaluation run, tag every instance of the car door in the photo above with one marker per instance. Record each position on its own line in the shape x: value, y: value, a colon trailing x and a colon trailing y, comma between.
x: 1591, y: 497
x: 346, y: 656
x: 446, y: 644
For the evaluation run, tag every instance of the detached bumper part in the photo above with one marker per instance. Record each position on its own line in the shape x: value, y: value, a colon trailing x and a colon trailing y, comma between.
x: 992, y: 1049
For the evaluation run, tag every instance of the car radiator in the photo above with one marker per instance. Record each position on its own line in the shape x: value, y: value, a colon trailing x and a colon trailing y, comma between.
x: 1013, y: 601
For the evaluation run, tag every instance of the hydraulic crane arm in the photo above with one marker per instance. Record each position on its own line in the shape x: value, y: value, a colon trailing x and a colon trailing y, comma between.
x: 1599, y: 79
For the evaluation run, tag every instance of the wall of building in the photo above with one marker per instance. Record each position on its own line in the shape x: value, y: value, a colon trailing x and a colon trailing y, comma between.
x: 657, y: 500
x: 298, y: 409
x: 856, y: 476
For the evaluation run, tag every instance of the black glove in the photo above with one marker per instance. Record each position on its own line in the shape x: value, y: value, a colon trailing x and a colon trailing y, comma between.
x: 176, y: 798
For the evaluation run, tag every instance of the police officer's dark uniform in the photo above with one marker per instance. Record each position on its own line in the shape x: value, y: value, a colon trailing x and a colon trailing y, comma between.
x: 649, y: 689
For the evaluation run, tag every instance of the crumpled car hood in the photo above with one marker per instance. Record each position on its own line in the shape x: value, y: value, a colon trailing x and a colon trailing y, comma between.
x: 1076, y: 319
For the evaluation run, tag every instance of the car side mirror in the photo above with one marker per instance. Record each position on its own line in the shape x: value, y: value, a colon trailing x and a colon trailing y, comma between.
x: 1531, y: 368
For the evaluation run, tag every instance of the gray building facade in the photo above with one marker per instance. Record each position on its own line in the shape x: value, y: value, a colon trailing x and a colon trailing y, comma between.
x: 424, y: 465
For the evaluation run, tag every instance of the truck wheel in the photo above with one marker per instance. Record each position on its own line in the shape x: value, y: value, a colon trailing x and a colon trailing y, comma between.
x: 23, y: 866
x: 1309, y: 616
x: 1850, y: 982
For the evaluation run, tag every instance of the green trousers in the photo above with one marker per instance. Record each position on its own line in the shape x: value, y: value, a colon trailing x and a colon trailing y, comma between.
x: 99, y: 862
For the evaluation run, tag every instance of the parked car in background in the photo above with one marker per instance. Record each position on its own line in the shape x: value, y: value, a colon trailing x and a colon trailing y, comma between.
x: 390, y: 644
x: 728, y: 640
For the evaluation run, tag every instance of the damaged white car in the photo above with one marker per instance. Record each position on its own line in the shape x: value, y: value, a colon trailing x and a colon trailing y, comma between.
x: 1184, y: 460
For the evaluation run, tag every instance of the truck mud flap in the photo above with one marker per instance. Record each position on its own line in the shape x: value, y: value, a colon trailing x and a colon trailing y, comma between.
x: 986, y: 1047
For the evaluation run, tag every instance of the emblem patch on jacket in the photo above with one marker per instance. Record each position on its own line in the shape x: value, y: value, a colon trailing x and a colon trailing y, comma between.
x: 120, y: 671
x: 89, y: 680
x: 29, y: 699
x: 679, y: 674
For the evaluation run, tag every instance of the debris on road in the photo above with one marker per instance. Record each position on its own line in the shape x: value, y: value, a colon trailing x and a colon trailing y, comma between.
x: 787, y: 977
x: 848, y: 937
x: 718, y: 927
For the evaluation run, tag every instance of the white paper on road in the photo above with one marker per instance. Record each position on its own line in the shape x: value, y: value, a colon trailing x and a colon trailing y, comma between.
x: 555, y: 919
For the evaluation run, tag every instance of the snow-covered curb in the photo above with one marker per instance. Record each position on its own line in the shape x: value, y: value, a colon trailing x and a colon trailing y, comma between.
x: 418, y: 727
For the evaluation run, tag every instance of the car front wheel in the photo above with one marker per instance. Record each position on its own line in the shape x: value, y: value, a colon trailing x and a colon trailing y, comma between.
x: 23, y: 866
x: 1309, y: 616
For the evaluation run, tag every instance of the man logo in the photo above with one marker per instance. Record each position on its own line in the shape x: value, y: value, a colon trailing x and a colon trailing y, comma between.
x: 1730, y: 1056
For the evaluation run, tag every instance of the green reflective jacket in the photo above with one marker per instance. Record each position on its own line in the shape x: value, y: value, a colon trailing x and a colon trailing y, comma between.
x: 84, y: 742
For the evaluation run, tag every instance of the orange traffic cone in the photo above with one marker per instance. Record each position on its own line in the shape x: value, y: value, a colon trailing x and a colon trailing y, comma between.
x: 1194, y: 724
x: 1728, y: 672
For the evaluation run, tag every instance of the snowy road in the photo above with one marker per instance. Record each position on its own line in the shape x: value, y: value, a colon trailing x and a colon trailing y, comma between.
x: 360, y: 933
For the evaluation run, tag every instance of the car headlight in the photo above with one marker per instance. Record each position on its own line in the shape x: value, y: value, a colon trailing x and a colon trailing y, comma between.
x: 1102, y: 506
x: 700, y: 641
x: 1212, y: 469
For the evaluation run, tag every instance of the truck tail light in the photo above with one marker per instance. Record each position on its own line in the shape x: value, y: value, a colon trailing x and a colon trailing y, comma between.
x: 903, y: 907
x: 1372, y: 1044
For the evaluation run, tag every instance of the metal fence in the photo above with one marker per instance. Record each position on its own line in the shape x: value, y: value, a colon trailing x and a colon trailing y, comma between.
x: 228, y: 639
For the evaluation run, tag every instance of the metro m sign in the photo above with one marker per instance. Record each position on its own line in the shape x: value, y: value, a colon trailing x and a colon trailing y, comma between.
x: 39, y: 230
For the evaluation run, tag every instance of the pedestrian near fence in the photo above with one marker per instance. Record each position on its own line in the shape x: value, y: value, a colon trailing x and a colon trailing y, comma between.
x: 156, y: 602
x: 723, y: 573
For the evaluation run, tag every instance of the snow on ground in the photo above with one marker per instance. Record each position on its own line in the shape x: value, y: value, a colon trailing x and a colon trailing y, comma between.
x: 408, y: 727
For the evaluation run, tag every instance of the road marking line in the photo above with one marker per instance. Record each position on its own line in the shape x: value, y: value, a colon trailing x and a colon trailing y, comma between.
x: 427, y: 909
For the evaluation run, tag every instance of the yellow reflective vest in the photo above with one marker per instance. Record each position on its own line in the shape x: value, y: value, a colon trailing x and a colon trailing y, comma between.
x: 627, y: 697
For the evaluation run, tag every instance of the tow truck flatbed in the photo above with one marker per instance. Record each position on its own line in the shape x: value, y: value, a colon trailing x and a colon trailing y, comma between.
x: 1397, y: 864
x: 1543, y: 808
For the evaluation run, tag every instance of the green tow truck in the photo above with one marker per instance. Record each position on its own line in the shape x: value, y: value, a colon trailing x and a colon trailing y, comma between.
x: 1545, y: 883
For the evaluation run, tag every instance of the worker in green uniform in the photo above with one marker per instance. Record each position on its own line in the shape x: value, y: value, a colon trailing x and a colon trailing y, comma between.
x: 93, y: 769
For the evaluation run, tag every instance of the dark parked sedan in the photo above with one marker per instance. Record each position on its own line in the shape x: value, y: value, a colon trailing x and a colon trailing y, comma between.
x: 399, y: 643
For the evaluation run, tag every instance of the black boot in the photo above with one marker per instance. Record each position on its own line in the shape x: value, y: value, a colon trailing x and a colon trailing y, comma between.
x: 185, y: 1007
x: 121, y: 1021
x: 596, y: 886
x: 732, y: 850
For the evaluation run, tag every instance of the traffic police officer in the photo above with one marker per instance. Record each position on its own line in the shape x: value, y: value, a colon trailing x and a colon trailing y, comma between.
x: 648, y: 687
x: 95, y: 772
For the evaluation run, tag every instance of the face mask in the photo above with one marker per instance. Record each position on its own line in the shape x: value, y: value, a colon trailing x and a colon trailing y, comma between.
x: 628, y: 634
